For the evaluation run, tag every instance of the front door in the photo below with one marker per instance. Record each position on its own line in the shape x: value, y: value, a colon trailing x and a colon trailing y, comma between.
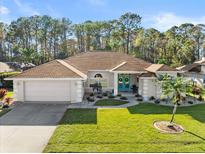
x: 124, y: 82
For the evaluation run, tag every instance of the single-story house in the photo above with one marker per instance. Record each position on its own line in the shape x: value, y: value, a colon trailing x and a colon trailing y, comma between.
x: 69, y: 79
x: 194, y: 72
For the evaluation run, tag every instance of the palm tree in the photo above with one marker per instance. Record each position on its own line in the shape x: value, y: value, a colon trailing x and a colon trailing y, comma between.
x: 176, y: 88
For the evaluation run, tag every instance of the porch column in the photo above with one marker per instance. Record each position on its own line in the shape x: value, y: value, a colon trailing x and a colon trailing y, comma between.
x: 115, y: 83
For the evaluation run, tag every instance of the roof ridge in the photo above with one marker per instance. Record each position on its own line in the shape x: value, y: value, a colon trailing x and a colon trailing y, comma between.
x: 151, y: 69
x: 33, y: 68
x: 161, y: 65
x: 116, y: 67
x: 75, y: 70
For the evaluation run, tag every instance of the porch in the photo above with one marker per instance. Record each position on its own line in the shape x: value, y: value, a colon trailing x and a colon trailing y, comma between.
x: 126, y: 83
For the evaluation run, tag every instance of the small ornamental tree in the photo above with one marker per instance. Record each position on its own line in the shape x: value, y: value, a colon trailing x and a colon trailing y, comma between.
x: 176, y: 88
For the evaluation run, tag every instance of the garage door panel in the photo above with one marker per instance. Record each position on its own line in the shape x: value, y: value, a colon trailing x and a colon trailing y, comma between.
x: 47, y: 90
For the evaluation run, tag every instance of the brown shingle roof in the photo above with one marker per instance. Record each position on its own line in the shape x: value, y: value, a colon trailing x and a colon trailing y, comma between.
x: 85, y: 62
x: 106, y: 61
x: 159, y: 67
x: 188, y: 67
x: 149, y: 74
x: 167, y: 68
x: 52, y: 69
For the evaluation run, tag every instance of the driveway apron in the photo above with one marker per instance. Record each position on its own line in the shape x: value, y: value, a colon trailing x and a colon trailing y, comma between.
x: 28, y: 127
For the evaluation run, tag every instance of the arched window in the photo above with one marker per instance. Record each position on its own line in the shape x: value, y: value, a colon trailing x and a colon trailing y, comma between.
x: 98, y: 76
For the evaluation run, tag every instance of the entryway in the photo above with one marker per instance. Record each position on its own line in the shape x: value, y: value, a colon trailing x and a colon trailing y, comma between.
x: 123, y: 82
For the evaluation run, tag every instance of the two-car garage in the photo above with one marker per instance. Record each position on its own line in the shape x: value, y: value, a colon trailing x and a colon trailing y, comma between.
x: 51, y: 91
x: 47, y: 91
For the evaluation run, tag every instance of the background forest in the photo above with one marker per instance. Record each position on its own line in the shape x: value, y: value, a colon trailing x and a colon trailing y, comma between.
x: 39, y: 39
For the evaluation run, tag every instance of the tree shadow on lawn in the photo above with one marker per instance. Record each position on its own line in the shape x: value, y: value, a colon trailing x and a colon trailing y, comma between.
x: 79, y: 116
x: 196, y: 111
x: 191, y: 133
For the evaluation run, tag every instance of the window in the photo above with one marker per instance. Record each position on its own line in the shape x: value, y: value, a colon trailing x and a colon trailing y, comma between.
x: 98, y: 76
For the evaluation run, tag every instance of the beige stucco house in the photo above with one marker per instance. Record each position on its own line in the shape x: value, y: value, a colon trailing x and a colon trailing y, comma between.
x: 69, y: 79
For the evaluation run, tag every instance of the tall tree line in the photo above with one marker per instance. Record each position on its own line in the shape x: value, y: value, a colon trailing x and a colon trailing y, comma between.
x: 39, y: 39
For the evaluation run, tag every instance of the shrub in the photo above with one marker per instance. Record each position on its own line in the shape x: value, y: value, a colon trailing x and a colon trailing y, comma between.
x: 190, y: 102
x: 183, y: 98
x: 163, y: 99
x: 111, y: 96
x: 138, y: 95
x: 99, y: 96
x: 139, y: 99
x: 90, y: 99
x: 152, y: 98
x: 105, y: 94
x: 157, y: 101
x: 200, y: 98
x: 123, y: 98
x: 2, y: 93
x: 196, y: 90
x: 119, y: 95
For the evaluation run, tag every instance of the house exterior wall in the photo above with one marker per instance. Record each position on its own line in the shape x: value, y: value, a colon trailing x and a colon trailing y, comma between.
x: 148, y: 87
x: 196, y: 77
x: 18, y: 87
x: 203, y: 69
x: 107, y: 81
x: 78, y: 94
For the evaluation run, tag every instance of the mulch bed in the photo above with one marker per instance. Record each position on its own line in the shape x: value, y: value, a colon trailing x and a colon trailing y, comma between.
x: 166, y: 127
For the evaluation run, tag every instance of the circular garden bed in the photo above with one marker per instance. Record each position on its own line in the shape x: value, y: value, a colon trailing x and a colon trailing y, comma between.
x: 167, y: 127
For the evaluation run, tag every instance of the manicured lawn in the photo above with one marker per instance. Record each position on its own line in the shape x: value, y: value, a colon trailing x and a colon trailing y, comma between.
x: 128, y: 130
x: 110, y: 102
x: 10, y: 94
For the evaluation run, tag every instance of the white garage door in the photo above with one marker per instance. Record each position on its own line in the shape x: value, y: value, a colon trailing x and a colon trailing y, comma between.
x: 47, y: 91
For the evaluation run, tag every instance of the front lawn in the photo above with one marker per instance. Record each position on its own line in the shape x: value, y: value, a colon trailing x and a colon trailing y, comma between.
x: 110, y: 102
x: 10, y: 94
x: 128, y: 130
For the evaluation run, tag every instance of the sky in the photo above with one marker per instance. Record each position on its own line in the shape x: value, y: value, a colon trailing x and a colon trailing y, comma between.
x: 159, y: 14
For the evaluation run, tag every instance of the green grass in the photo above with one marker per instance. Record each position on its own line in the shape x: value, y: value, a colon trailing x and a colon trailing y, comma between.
x: 110, y: 102
x: 128, y: 130
x: 9, y: 73
x: 10, y: 94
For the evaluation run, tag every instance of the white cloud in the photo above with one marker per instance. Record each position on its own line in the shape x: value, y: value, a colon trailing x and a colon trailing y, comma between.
x: 97, y: 2
x: 165, y: 21
x: 4, y: 10
x: 26, y: 8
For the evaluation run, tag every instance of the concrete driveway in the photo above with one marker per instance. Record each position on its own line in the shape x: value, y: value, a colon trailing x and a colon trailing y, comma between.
x: 28, y: 127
